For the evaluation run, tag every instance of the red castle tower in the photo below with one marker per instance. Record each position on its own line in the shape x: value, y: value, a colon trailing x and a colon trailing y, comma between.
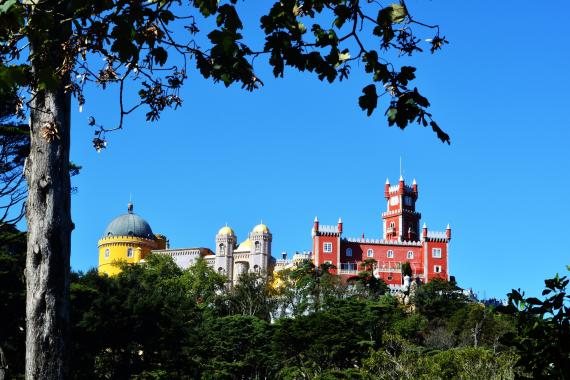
x: 401, y: 241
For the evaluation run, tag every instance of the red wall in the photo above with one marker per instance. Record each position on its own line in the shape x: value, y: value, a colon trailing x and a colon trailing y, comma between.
x: 432, y: 261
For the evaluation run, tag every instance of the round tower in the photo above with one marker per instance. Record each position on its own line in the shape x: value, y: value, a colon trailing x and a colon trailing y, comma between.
x: 128, y: 239
x: 225, y: 244
x: 260, y: 253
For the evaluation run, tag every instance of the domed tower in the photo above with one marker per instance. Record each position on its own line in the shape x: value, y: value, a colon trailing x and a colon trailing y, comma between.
x: 260, y: 253
x: 128, y: 238
x: 225, y: 243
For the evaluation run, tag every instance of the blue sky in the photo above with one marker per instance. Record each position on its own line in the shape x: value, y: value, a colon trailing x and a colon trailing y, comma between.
x: 299, y: 148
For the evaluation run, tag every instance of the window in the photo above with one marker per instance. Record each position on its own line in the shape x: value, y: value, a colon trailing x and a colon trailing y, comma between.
x: 370, y: 253
x: 392, y: 225
x: 349, y: 252
x: 257, y: 247
x: 408, y: 200
x: 390, y: 278
x: 390, y: 254
x: 410, y: 255
x: 222, y: 247
x: 437, y: 268
x: 129, y: 252
x: 436, y: 253
x: 256, y: 268
x: 220, y: 270
x: 107, y: 253
x: 327, y: 247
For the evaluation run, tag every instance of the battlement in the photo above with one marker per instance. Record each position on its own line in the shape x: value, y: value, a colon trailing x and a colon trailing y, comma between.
x: 328, y: 229
x: 383, y: 242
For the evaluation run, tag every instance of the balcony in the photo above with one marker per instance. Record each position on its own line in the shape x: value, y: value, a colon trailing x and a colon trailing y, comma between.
x: 348, y: 268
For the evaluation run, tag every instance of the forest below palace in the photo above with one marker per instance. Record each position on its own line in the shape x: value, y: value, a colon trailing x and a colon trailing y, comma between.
x: 157, y: 321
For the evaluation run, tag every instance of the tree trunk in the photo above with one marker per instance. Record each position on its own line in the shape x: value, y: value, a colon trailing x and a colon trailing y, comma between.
x: 48, y: 212
x: 3, y: 365
x: 49, y: 236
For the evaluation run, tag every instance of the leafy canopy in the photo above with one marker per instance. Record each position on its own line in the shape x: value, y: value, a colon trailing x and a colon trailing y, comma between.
x: 158, y: 44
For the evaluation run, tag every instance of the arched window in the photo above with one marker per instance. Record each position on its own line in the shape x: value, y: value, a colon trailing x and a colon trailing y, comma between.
x: 107, y: 253
x: 370, y: 253
x: 222, y: 248
x: 410, y: 255
x: 390, y: 254
x: 392, y: 224
x: 221, y: 270
x: 130, y: 252
x: 257, y: 247
x: 349, y: 252
x: 256, y: 268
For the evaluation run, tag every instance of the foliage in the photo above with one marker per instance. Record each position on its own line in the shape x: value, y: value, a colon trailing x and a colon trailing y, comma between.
x: 543, y: 330
x: 12, y: 300
x: 136, y: 43
x: 366, y: 284
x: 156, y: 321
x: 439, y: 299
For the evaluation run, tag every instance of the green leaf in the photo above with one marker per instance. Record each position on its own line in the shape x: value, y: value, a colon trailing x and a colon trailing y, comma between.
x: 444, y: 137
x: 369, y: 100
x: 398, y: 13
x: 6, y: 5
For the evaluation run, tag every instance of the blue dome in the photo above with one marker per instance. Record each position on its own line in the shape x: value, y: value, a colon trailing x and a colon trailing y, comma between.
x: 129, y: 225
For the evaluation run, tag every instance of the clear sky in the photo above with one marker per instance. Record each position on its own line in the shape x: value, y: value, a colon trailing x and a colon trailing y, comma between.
x: 299, y: 148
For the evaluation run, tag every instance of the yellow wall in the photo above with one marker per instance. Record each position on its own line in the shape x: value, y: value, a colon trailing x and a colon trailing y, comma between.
x: 118, y: 247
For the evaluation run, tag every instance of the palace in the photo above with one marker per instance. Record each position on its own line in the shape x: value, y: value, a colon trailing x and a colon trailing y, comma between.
x: 426, y: 251
x: 129, y: 238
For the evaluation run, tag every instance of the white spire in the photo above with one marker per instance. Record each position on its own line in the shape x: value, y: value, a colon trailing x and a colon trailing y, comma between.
x: 339, y: 219
x: 387, y: 181
x: 401, y: 177
x: 316, y: 219
x: 425, y: 225
x: 414, y: 183
x: 448, y: 228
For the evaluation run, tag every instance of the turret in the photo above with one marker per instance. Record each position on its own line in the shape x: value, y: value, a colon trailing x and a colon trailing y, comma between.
x: 415, y: 187
x: 339, y: 225
x: 424, y: 232
x: 448, y: 232
x: 315, y: 226
x: 401, y: 185
x: 387, y: 189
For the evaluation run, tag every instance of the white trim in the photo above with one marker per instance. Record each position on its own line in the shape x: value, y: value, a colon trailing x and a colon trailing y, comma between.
x: 408, y: 255
x: 426, y: 275
x: 326, y: 245
x: 390, y: 254
x: 433, y: 253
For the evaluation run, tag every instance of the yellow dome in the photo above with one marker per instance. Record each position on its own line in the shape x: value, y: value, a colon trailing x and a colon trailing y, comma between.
x: 226, y: 231
x: 244, y: 246
x: 261, y: 228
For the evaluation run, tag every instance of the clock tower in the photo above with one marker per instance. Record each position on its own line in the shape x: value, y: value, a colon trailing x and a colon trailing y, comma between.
x: 401, y: 221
